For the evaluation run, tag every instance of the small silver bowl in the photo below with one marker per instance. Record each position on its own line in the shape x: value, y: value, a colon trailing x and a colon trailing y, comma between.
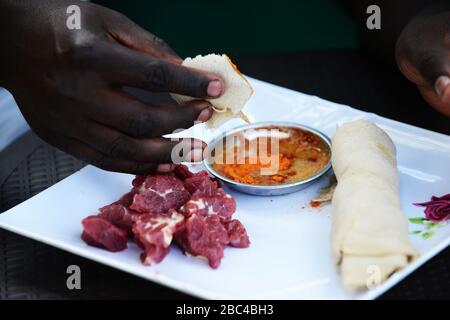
x: 269, y: 190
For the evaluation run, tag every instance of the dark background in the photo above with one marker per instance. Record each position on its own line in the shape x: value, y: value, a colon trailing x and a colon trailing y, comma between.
x: 240, y: 27
x: 309, y: 46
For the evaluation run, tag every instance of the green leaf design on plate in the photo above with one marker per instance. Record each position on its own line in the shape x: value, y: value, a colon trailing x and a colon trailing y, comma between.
x: 429, y: 227
x: 433, y: 225
x: 429, y: 224
x: 427, y: 235
x: 417, y: 220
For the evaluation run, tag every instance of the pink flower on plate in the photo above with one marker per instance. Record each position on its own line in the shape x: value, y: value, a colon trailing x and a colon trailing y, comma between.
x: 437, y: 209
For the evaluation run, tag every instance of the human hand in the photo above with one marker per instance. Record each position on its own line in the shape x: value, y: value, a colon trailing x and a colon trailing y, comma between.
x: 423, y: 56
x: 68, y: 84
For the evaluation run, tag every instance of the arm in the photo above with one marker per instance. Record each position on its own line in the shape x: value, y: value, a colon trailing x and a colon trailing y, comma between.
x: 68, y: 83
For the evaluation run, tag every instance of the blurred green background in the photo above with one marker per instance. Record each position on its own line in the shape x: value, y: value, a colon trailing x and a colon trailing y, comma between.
x: 242, y: 27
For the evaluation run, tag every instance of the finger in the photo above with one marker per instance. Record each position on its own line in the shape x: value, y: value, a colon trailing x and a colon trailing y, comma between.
x: 102, y: 161
x: 437, y: 93
x: 432, y: 66
x: 123, y: 66
x: 131, y: 35
x: 431, y: 73
x: 424, y: 68
x: 429, y: 70
x: 141, y: 120
x: 159, y: 120
x: 170, y: 118
x: 422, y: 51
x: 442, y: 88
x: 117, y: 145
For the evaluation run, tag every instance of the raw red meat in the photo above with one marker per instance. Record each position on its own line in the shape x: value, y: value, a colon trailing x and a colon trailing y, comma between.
x: 237, y: 234
x: 190, y: 208
x: 220, y: 204
x: 201, y: 185
x: 120, y: 216
x: 203, y: 237
x: 160, y: 193
x: 101, y: 233
x: 127, y: 199
x: 182, y: 172
x: 154, y: 233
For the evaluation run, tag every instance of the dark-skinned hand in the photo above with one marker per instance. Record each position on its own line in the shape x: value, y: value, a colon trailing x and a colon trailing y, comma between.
x: 69, y: 84
x: 423, y: 55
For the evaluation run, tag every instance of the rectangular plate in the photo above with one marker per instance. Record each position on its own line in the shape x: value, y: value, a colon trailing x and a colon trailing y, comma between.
x: 289, y: 257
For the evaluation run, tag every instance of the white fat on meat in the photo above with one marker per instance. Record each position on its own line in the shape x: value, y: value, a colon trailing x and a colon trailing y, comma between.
x: 167, y: 231
x: 162, y: 194
x: 201, y: 204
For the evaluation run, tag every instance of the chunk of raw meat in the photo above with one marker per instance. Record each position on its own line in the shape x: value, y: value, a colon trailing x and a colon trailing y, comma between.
x: 119, y: 216
x: 160, y: 193
x: 182, y: 172
x: 204, y: 238
x: 237, y: 234
x: 221, y: 204
x: 154, y: 234
x: 101, y: 233
x: 126, y: 200
x: 201, y: 185
x: 189, y: 208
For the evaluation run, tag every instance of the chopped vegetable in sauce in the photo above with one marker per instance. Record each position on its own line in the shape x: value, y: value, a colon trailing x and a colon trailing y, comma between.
x: 299, y: 155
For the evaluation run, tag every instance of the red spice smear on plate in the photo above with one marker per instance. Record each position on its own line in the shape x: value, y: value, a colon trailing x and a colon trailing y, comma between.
x: 437, y: 209
x: 315, y: 204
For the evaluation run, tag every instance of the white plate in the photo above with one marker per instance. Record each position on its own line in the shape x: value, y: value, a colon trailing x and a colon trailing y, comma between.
x: 289, y: 257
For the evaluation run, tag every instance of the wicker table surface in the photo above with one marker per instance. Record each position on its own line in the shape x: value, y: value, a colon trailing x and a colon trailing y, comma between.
x: 32, y: 270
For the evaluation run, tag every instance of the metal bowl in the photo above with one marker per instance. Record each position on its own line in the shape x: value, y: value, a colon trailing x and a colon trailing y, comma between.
x: 269, y: 190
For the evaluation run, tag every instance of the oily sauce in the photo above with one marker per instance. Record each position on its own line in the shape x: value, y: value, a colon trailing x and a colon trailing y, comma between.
x: 299, y: 155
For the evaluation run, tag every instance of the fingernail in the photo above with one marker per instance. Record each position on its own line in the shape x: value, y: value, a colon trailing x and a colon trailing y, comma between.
x: 204, y: 115
x: 195, y: 155
x: 215, y: 88
x: 165, y: 168
x: 441, y: 85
